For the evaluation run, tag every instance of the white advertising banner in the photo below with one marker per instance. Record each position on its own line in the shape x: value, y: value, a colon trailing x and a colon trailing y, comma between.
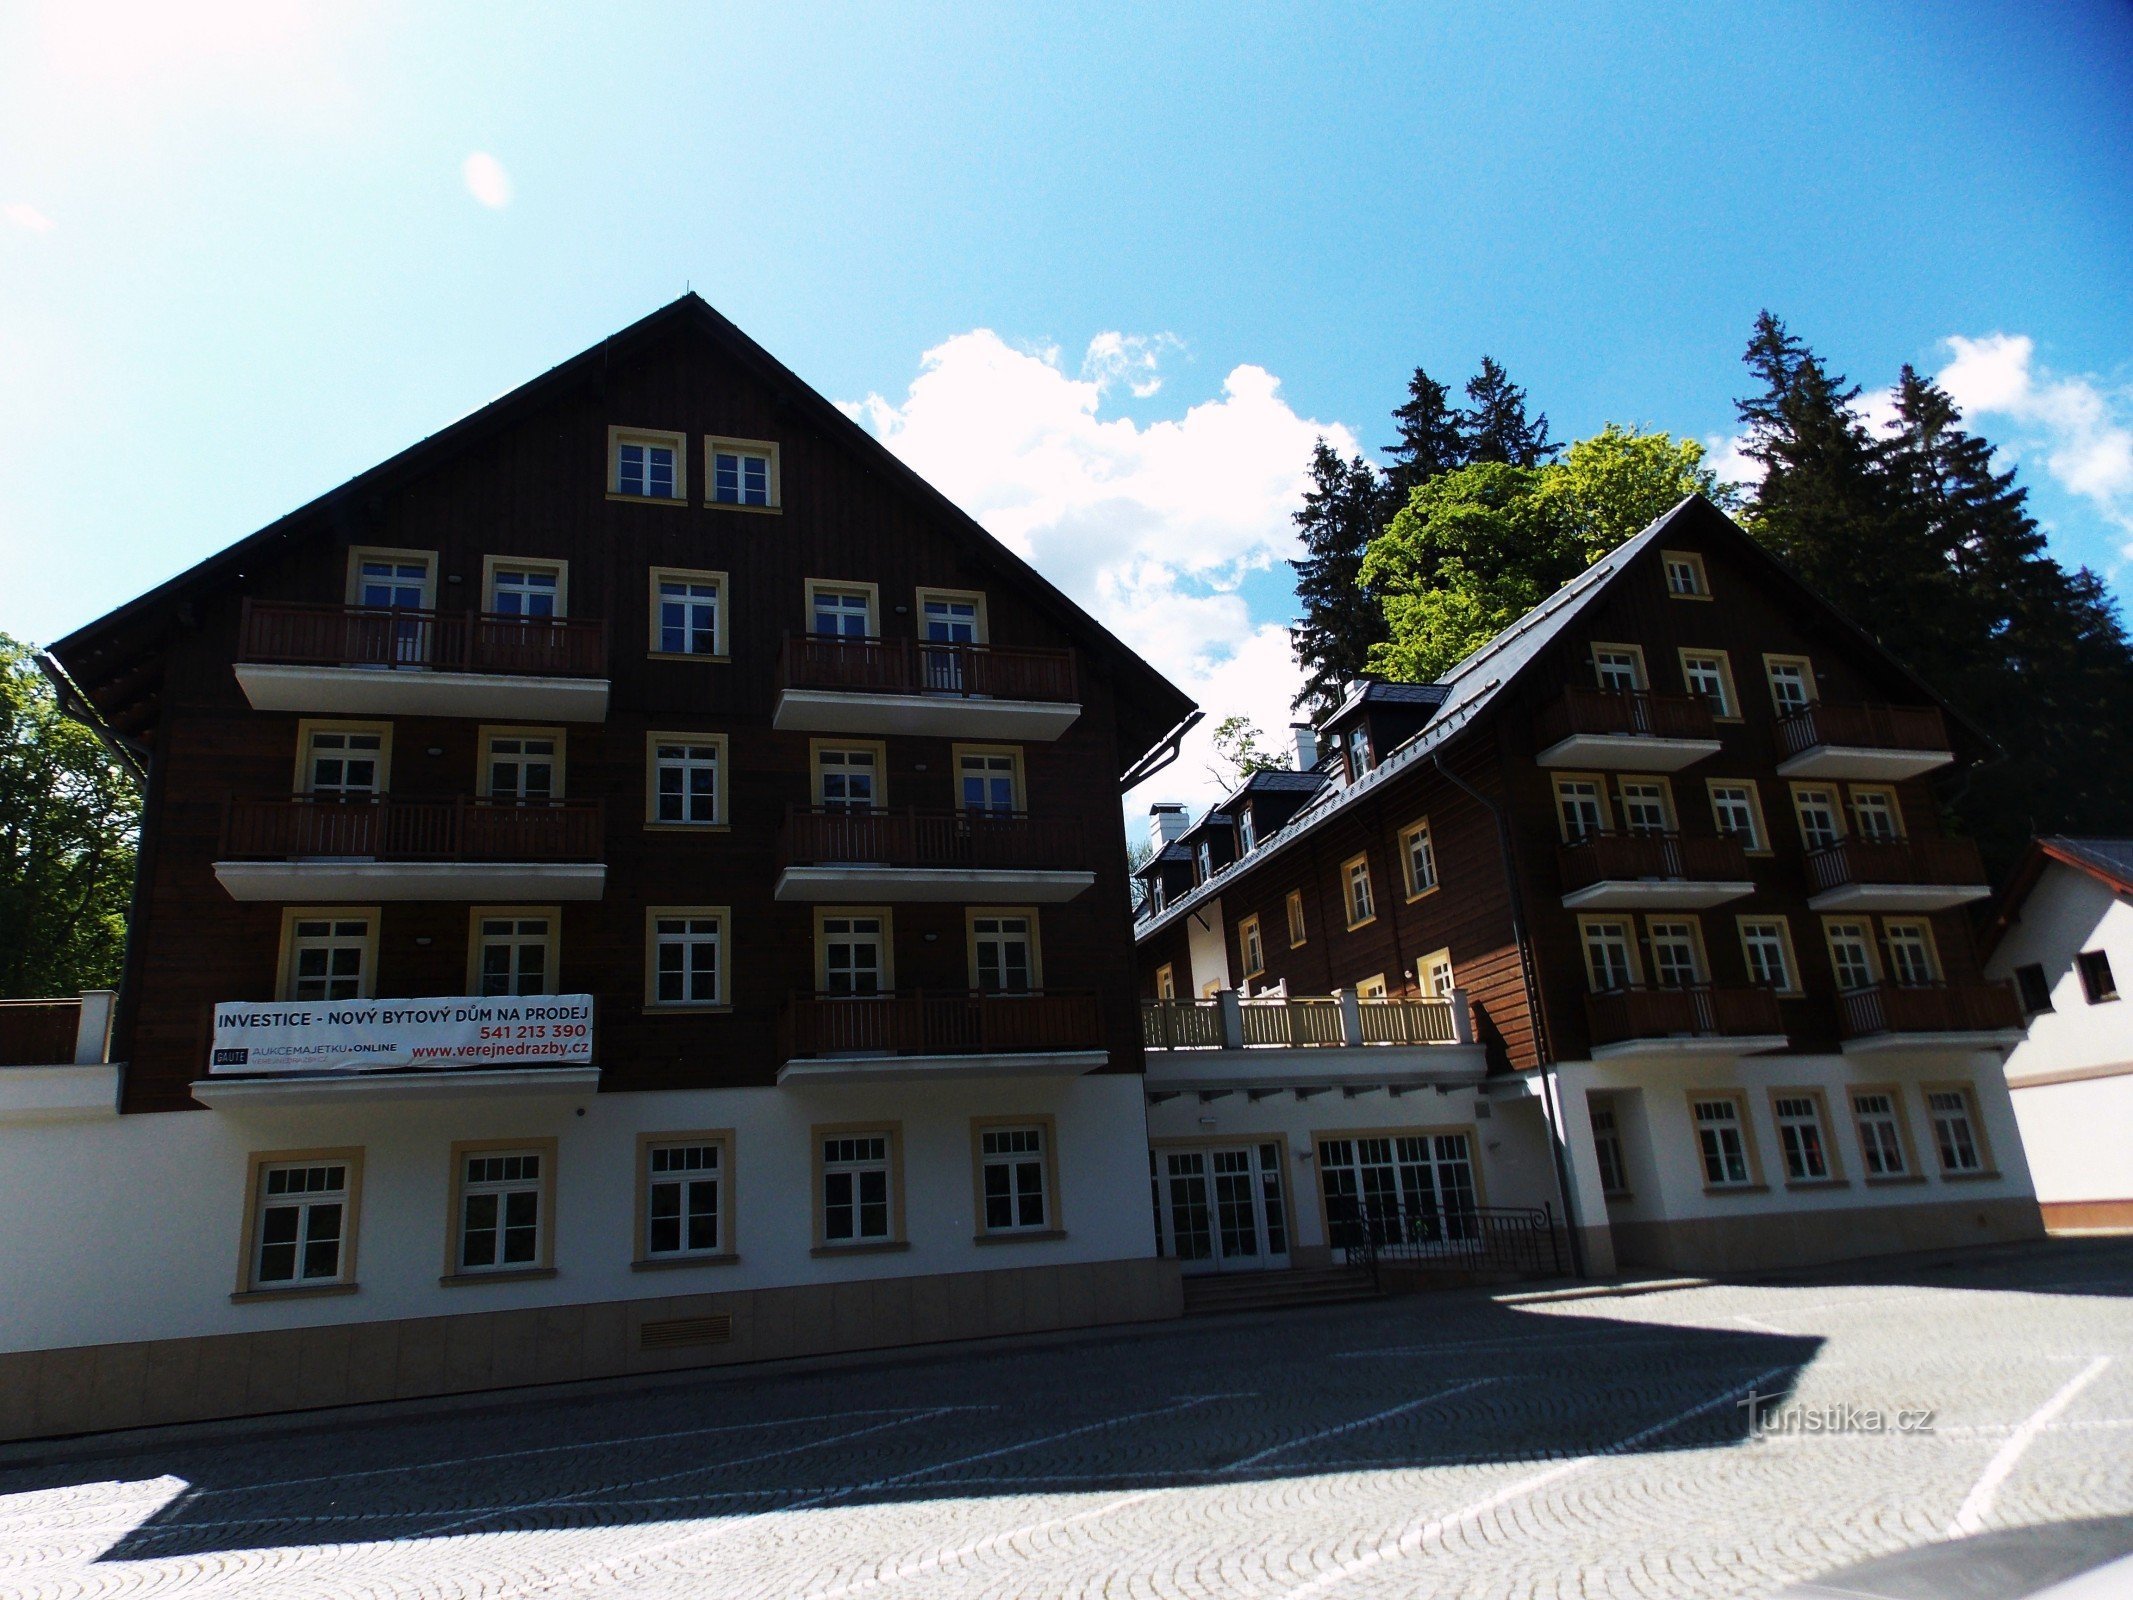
x: 374, y: 1035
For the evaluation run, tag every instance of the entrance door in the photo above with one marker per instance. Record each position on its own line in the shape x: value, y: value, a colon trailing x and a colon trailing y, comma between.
x: 1220, y: 1210
x: 950, y: 623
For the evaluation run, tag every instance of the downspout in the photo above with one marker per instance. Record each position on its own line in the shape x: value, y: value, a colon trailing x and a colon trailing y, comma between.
x: 1552, y: 1097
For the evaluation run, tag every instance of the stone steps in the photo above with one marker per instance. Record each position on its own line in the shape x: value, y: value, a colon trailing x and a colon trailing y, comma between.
x: 1268, y: 1291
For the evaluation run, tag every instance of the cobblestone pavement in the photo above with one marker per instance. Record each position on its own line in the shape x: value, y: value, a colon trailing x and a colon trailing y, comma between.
x: 1444, y: 1444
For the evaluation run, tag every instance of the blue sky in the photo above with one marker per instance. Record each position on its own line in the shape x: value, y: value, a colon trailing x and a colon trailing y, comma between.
x: 1102, y: 275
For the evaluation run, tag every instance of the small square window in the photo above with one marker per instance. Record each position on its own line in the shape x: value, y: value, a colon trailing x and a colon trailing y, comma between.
x: 742, y: 472
x: 2035, y: 989
x: 645, y: 465
x: 1685, y: 576
x: 2096, y: 980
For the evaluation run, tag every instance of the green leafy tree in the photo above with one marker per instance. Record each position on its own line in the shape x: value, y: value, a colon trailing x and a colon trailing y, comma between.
x: 1342, y: 512
x: 1474, y: 550
x: 1238, y: 752
x: 68, y: 815
x: 1495, y: 427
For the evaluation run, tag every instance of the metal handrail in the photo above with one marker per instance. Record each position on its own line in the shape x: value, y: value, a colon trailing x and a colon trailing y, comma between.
x: 1459, y: 1237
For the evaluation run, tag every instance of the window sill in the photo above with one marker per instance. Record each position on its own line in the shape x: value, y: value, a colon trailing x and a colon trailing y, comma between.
x: 648, y: 499
x: 688, y: 827
x: 1617, y: 1194
x: 717, y: 1258
x: 879, y: 1248
x: 1033, y: 1236
x: 1889, y: 1179
x: 687, y: 1011
x: 1366, y: 922
x: 1671, y: 595
x: 1818, y: 1183
x: 1969, y: 1177
x: 688, y: 655
x: 1424, y: 894
x: 1260, y: 973
x: 753, y: 511
x: 295, y: 1291
x: 461, y: 1280
x: 1736, y: 1188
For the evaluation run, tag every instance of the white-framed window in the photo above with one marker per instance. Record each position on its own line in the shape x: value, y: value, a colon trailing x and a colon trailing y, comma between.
x: 1875, y: 814
x: 397, y: 580
x: 532, y: 590
x: 1253, y: 946
x: 1721, y: 1143
x: 1801, y: 1137
x: 684, y: 1195
x: 522, y: 765
x: 989, y: 781
x: 1875, y: 1113
x: 856, y: 1182
x: 1851, y: 954
x: 1707, y: 673
x: 1358, y: 751
x: 848, y: 776
x: 1677, y: 953
x: 742, y: 472
x: 1247, y: 835
x: 1618, y: 667
x: 841, y: 611
x: 645, y: 465
x: 514, y: 952
x: 1913, y: 962
x: 1581, y: 806
x: 1646, y: 806
x: 1607, y: 1147
x: 1166, y: 982
x: 1012, y: 1169
x: 1821, y: 823
x: 1437, y: 976
x: 304, y: 1223
x: 688, y: 612
x: 1685, y: 576
x: 1792, y: 683
x: 1355, y: 881
x: 328, y: 955
x: 1610, y: 953
x: 853, y: 952
x: 1203, y: 856
x: 344, y: 763
x: 1003, y: 953
x: 1954, y: 1130
x: 1766, y: 946
x: 687, y: 956
x: 1738, y: 814
x: 1295, y: 907
x: 687, y: 787
x: 502, y: 1194
x: 1418, y: 858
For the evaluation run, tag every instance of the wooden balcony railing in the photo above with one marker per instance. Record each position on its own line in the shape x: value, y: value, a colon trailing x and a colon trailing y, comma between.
x: 821, y: 836
x: 1614, y: 857
x: 294, y: 634
x: 1181, y: 1025
x: 388, y: 828
x: 1631, y: 714
x: 1940, y: 1008
x: 909, y: 666
x: 950, y: 1023
x: 1297, y: 1021
x: 1863, y: 727
x: 38, y: 1033
x: 1699, y: 1012
x: 1910, y: 861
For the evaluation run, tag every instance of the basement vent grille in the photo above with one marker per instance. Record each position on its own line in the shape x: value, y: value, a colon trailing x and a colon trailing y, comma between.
x: 685, y: 1331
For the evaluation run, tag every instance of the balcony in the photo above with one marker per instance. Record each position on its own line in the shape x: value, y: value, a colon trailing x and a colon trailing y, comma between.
x: 1623, y: 731
x: 923, y: 1036
x: 55, y: 1059
x: 365, y: 661
x: 1619, y: 871
x: 879, y: 686
x: 276, y: 1053
x: 1896, y: 875
x: 1950, y: 1019
x: 1687, y: 1022
x: 387, y: 848
x: 969, y: 857
x: 1308, y: 1043
x: 1886, y: 742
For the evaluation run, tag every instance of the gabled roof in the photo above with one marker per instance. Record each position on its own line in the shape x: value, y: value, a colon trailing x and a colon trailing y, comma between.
x: 1376, y: 692
x: 115, y: 659
x: 1472, y: 686
x: 2108, y: 861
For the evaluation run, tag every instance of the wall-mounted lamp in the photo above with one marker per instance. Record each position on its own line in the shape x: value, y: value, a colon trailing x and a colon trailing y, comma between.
x: 434, y: 750
x: 902, y: 611
x: 424, y: 940
x: 933, y: 938
x: 1207, y: 1122
x: 453, y: 577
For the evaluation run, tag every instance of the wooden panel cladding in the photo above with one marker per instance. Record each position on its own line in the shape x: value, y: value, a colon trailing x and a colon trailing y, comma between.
x: 679, y: 1333
x: 906, y: 837
x: 1698, y: 1011
x: 1944, y: 1008
x: 1867, y: 727
x: 921, y: 1024
x: 907, y: 666
x: 38, y: 1033
x: 435, y: 641
x: 388, y: 828
x: 1908, y: 861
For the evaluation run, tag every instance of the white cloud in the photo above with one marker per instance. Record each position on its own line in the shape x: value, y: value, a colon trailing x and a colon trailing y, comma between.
x: 1152, y: 528
x: 2080, y: 431
x: 27, y: 217
x: 486, y: 180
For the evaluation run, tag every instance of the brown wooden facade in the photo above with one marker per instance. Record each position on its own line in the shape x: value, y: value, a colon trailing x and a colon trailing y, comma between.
x: 528, y: 477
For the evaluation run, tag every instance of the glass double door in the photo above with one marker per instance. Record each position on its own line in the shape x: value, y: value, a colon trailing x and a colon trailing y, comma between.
x: 1221, y: 1209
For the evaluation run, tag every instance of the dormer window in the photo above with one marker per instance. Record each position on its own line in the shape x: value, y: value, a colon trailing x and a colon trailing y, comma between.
x: 1247, y: 842
x: 1358, y: 751
x: 1205, y: 855
x: 643, y: 465
x: 1156, y: 897
x: 742, y: 472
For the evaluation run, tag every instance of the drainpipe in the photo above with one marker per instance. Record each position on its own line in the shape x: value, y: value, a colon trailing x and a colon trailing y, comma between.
x: 1551, y: 1091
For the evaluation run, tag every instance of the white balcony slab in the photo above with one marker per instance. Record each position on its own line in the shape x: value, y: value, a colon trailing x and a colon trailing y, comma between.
x: 1673, y: 894
x: 375, y: 1088
x: 58, y: 1093
x: 1952, y: 1043
x: 1900, y: 896
x: 1863, y: 761
x: 851, y: 883
x: 417, y: 692
x: 1626, y: 752
x: 925, y: 715
x: 1691, y: 1047
x: 330, y: 881
x: 1372, y: 1066
x: 823, y: 1071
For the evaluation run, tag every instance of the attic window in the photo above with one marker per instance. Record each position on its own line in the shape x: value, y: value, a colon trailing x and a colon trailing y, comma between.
x: 1685, y: 577
x: 645, y: 465
x: 742, y: 472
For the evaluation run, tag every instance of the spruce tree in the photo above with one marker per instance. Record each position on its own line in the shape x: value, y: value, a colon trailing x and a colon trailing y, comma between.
x: 1431, y: 440
x: 1342, y: 512
x: 1496, y: 427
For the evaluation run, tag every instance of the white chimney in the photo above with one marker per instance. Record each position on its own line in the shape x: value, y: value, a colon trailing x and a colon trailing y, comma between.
x: 1306, y: 745
x: 1167, y: 821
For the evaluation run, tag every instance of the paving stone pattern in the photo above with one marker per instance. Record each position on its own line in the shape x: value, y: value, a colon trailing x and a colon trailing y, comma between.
x: 1429, y: 1445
